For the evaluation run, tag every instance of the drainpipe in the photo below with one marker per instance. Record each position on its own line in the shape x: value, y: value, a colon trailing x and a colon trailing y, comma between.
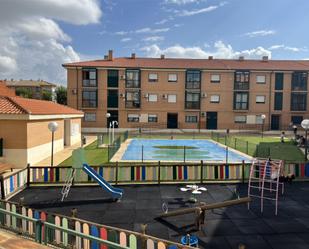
x: 269, y: 105
x: 77, y: 90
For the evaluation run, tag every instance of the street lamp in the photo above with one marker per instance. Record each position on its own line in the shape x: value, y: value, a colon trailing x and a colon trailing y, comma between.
x: 263, y: 117
x: 305, y: 125
x: 113, y: 123
x: 108, y: 115
x: 52, y: 126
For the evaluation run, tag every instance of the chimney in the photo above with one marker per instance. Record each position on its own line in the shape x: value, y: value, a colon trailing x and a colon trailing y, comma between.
x: 133, y: 56
x: 105, y: 57
x: 265, y: 58
x: 110, y: 55
x: 210, y: 57
x: 241, y: 58
x: 162, y: 56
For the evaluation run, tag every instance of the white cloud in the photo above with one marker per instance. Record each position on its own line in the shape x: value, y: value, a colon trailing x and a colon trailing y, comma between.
x: 200, y: 11
x: 121, y: 33
x: 150, y: 30
x: 288, y: 48
x: 126, y: 39
x: 162, y: 21
x: 219, y: 50
x: 181, y: 2
x: 260, y: 33
x: 153, y: 38
x: 32, y: 44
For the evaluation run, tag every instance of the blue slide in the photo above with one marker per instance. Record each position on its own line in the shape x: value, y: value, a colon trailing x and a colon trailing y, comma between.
x: 116, y: 192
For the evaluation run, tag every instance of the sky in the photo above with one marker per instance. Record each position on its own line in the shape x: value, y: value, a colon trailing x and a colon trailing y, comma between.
x: 38, y: 36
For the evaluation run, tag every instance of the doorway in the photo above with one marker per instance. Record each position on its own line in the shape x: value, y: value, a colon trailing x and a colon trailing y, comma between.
x: 275, y: 122
x: 113, y: 117
x: 172, y: 120
x: 212, y: 119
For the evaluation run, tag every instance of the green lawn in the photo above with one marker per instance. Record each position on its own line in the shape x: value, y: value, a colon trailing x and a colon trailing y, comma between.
x: 94, y: 155
x: 265, y: 147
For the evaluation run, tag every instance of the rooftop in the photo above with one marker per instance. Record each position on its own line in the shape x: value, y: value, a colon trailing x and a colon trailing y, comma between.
x: 224, y: 228
x: 5, y: 91
x: 35, y: 83
x: 211, y: 63
x: 19, y: 105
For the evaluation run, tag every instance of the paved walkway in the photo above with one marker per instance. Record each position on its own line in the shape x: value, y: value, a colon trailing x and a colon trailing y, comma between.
x: 60, y: 156
x: 11, y: 241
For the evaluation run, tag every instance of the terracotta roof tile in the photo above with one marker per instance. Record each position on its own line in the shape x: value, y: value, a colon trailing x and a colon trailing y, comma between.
x: 5, y: 91
x: 19, y: 105
x: 220, y: 64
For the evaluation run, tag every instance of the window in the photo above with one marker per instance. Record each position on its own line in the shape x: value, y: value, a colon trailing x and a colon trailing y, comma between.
x: 299, y: 81
x: 112, y: 98
x: 260, y: 99
x: 279, y: 81
x: 112, y: 78
x: 152, y: 97
x: 152, y: 118
x: 260, y: 79
x: 241, y: 101
x: 90, y: 117
x: 152, y: 77
x: 89, y: 77
x: 172, y: 77
x: 258, y: 119
x: 191, y: 119
x: 240, y: 119
x: 215, y: 98
x: 89, y: 98
x: 133, y: 99
x: 298, y: 101
x: 171, y: 98
x: 193, y: 79
x: 133, y: 118
x: 192, y: 100
x: 296, y: 120
x: 241, y: 80
x: 215, y: 78
x: 133, y: 78
x: 278, y: 101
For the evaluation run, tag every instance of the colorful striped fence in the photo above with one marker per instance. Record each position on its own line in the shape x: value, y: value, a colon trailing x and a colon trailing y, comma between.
x: 13, y: 183
x: 123, y: 238
x: 158, y: 173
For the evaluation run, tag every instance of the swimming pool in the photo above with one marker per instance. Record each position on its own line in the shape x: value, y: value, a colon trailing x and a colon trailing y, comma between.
x: 180, y: 150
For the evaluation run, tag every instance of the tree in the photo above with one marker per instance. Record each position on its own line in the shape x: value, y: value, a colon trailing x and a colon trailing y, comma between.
x: 24, y: 92
x: 61, y: 95
x: 47, y: 95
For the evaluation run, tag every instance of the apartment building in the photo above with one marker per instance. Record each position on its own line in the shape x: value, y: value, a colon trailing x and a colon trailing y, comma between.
x: 189, y: 93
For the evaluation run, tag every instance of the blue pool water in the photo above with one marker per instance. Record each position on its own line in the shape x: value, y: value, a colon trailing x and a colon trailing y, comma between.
x: 197, y: 149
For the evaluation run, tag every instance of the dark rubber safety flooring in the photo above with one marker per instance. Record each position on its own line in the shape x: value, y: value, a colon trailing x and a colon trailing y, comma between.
x: 224, y: 228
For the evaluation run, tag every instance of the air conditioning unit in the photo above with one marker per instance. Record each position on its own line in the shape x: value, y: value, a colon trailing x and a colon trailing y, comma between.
x: 122, y: 77
x: 74, y: 91
x: 204, y: 95
x: 146, y: 95
x: 164, y: 96
x: 203, y: 114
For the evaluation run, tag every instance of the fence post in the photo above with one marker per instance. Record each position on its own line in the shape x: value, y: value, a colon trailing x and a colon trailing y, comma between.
x: 243, y: 171
x: 247, y: 144
x: 108, y: 153
x: 159, y: 172
x: 38, y: 231
x: 235, y: 143
x: 116, y: 173
x: 225, y: 140
x: 217, y: 137
x: 202, y: 166
x: 28, y: 175
x: 184, y: 153
x: 226, y: 154
x: 142, y: 153
x: 2, y: 187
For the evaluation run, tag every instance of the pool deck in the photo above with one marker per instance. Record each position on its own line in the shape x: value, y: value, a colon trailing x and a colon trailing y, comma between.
x: 224, y: 228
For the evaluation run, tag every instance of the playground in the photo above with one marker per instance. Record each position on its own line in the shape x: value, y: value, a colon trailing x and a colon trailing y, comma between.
x: 224, y: 227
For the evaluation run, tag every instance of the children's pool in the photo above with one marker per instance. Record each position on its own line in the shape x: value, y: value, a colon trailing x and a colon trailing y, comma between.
x: 180, y: 150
